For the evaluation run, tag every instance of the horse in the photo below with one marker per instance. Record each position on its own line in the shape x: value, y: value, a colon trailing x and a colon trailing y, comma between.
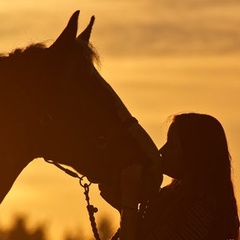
x: 55, y: 105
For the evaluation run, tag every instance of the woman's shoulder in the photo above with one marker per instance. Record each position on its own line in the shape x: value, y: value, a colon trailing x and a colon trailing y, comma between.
x: 194, y: 222
x: 189, y: 205
x: 176, y: 214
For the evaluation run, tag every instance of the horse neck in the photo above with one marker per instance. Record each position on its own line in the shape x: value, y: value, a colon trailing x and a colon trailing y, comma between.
x: 9, y: 171
x: 15, y: 151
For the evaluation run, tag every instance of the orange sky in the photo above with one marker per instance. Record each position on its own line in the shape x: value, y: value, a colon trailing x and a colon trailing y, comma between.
x: 162, y: 57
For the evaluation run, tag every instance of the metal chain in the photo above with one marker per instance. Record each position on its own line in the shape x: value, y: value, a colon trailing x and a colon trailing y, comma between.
x: 91, y: 209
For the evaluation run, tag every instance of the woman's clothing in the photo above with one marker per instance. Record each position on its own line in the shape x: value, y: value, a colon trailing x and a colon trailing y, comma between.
x: 173, y: 215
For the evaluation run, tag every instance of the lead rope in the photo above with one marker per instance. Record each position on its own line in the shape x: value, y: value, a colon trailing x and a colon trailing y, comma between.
x: 90, y: 208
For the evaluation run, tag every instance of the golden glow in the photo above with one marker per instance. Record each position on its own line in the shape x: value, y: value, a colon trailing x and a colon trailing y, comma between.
x: 190, y: 71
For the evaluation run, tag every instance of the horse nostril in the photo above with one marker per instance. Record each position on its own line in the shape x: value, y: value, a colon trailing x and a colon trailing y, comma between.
x: 46, y: 120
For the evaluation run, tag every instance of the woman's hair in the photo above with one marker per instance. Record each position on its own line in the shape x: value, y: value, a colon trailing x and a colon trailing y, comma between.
x: 207, y: 165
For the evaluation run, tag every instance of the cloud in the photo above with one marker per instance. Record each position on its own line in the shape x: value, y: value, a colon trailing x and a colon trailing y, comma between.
x: 202, y: 27
x: 200, y: 3
x: 136, y: 28
x: 171, y: 38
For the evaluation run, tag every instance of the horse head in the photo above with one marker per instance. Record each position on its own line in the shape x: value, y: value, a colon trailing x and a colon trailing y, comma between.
x: 71, y: 115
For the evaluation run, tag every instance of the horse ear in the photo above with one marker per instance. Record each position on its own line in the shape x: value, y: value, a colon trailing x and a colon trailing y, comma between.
x: 68, y: 36
x: 85, y: 35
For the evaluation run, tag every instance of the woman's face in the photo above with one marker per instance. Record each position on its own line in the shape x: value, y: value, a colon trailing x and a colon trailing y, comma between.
x: 171, y: 154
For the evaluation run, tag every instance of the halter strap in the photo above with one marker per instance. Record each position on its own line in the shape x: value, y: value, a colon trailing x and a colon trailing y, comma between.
x: 103, y: 141
x: 90, y: 208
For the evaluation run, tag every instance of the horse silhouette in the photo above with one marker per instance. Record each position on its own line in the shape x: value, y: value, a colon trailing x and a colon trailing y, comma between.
x: 55, y: 105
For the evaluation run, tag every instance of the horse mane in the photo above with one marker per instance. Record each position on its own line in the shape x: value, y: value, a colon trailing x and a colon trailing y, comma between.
x: 31, y: 49
x: 90, y: 52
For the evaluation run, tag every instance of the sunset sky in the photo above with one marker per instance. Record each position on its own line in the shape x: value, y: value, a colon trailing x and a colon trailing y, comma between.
x: 161, y: 56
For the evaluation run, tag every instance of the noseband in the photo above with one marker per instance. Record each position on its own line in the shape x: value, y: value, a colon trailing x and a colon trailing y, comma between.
x: 104, y: 141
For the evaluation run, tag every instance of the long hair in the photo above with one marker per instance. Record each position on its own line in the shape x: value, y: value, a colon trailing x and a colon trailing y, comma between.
x: 207, y: 166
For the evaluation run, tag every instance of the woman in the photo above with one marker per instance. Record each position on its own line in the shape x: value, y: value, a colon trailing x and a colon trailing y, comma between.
x: 199, y: 204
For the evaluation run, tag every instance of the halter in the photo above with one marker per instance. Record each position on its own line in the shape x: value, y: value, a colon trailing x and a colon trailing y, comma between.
x: 103, y: 142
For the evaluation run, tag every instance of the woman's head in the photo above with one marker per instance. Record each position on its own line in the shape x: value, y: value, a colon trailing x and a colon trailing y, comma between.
x: 196, y: 152
x: 198, y: 147
x: 204, y: 147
